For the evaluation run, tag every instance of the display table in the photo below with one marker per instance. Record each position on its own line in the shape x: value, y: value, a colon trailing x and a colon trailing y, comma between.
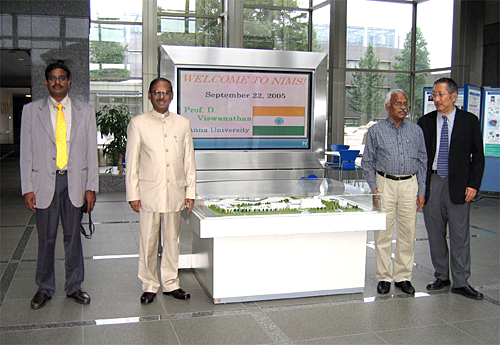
x: 279, y: 240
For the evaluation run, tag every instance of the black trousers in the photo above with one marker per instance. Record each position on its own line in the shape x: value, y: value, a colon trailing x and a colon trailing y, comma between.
x: 47, y: 221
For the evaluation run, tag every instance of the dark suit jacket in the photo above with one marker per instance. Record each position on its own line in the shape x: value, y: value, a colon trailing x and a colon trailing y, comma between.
x: 466, y: 155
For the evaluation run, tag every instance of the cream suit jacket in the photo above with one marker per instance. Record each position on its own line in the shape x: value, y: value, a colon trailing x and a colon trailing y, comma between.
x: 161, y: 171
x: 38, y: 152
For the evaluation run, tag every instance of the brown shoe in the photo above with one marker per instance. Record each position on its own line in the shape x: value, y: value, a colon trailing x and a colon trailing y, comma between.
x: 39, y: 300
x: 80, y: 297
x: 179, y: 294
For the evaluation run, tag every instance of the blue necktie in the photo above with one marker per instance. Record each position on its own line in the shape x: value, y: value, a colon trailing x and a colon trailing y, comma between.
x: 442, y: 161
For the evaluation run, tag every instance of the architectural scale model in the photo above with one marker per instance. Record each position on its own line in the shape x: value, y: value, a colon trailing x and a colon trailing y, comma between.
x: 281, y: 205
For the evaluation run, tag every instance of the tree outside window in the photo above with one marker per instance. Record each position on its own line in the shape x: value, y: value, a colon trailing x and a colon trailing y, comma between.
x: 366, y: 96
x: 422, y: 62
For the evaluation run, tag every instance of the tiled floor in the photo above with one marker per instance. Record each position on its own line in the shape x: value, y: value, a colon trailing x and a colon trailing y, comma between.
x: 116, y: 316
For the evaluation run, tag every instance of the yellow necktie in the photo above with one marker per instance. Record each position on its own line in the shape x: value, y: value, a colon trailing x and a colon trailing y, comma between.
x: 62, y: 151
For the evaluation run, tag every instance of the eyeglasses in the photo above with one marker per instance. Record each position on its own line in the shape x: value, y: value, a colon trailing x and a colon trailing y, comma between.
x: 157, y: 93
x: 440, y: 95
x: 400, y: 104
x: 61, y: 78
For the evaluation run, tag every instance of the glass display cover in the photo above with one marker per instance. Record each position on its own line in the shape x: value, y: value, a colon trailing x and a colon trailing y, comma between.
x: 268, y: 197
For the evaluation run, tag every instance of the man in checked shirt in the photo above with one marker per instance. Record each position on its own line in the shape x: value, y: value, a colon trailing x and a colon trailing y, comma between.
x: 395, y: 166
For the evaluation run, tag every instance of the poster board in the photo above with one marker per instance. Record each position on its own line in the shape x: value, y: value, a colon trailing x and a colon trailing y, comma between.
x: 472, y: 99
x: 491, y: 121
x: 428, y: 100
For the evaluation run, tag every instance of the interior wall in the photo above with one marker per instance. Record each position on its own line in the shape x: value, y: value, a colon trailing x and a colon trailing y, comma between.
x: 491, y: 44
x: 476, y: 42
x: 51, y: 30
x: 467, y: 51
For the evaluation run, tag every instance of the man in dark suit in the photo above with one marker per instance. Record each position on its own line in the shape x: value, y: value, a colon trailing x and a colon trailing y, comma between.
x: 59, y: 173
x: 454, y: 171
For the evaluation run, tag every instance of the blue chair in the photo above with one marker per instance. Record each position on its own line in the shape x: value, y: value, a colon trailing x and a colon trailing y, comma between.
x: 336, y: 148
x: 347, y: 161
x: 335, y: 159
x: 339, y: 147
x: 308, y: 177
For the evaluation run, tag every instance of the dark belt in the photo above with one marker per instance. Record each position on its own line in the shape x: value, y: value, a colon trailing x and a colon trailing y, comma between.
x: 395, y: 178
x: 61, y: 172
x: 434, y: 172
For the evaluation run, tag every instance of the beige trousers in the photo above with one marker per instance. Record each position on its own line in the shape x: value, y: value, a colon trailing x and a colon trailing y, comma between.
x: 399, y: 204
x: 149, y: 225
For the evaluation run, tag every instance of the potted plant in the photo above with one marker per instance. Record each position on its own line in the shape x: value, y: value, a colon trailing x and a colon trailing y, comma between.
x: 113, y: 120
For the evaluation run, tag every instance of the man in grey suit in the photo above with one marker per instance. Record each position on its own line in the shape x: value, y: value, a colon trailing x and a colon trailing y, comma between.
x: 59, y: 173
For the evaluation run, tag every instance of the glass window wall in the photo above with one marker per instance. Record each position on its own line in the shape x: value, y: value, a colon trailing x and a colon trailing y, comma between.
x: 321, y: 29
x: 435, y: 32
x: 378, y: 41
x: 279, y: 29
x: 190, y: 23
x: 189, y: 31
x: 116, y: 10
x: 116, y: 54
x: 379, y: 38
x: 279, y: 3
x: 378, y: 30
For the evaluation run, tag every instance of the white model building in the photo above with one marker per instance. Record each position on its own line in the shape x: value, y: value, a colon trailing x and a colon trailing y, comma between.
x: 314, y: 202
x: 279, y: 205
x: 342, y: 202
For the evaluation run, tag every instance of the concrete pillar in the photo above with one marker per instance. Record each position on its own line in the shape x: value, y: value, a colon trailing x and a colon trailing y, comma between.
x: 337, y: 72
x: 149, y: 49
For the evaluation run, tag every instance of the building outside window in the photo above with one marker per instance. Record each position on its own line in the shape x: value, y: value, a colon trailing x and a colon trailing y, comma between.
x: 375, y: 67
x: 356, y: 35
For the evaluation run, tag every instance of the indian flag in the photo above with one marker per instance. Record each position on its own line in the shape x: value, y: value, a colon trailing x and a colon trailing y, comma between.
x: 279, y: 120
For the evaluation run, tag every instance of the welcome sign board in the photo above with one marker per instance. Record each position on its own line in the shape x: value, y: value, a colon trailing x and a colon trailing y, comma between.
x: 242, y: 109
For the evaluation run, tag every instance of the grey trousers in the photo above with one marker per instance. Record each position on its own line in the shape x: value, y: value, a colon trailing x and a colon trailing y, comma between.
x: 440, y: 212
x: 47, y: 221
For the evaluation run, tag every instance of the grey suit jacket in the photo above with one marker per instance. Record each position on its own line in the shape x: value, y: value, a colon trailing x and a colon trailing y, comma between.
x: 38, y: 152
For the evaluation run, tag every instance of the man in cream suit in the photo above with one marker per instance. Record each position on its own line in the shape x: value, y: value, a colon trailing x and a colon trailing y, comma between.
x: 57, y: 179
x: 161, y: 182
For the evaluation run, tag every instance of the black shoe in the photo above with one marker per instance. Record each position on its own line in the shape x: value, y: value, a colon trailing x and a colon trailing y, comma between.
x: 406, y: 287
x: 39, y: 300
x: 438, y: 284
x: 80, y: 297
x: 179, y: 294
x: 148, y: 297
x: 383, y: 287
x: 468, y: 291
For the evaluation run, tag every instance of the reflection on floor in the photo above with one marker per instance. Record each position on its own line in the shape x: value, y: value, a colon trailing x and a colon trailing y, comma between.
x: 116, y: 316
